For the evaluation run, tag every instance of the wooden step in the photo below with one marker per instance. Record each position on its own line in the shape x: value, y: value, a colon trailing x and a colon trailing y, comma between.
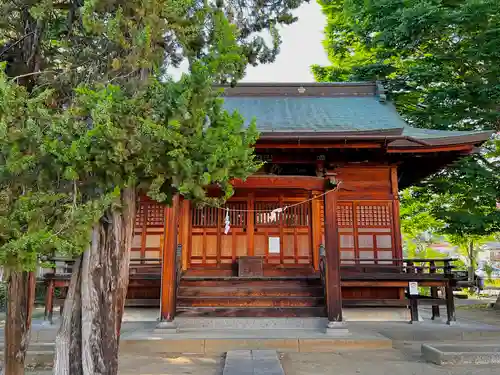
x: 249, y: 312
x: 240, y: 291
x: 269, y: 270
x: 249, y: 283
x: 239, y: 302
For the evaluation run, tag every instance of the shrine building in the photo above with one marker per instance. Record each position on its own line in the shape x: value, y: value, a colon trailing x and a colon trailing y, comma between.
x: 315, y: 230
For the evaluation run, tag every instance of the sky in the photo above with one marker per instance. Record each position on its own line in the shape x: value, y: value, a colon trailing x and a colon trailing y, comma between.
x: 304, y: 36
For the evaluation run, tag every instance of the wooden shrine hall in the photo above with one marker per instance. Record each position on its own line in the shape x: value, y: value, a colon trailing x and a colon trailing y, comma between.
x: 316, y: 229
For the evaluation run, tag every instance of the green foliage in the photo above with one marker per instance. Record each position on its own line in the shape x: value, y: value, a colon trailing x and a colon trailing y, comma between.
x: 90, y: 109
x: 439, y: 58
x: 441, y: 64
x: 39, y: 213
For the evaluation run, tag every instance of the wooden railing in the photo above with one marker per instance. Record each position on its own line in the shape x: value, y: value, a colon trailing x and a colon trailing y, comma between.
x: 413, y: 267
x: 398, y: 273
x: 141, y: 271
x: 178, y: 271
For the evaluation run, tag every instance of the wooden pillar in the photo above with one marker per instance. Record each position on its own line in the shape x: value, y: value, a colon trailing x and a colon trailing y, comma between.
x: 434, y: 292
x: 168, y: 264
x: 185, y: 231
x: 251, y: 225
x: 316, y: 228
x: 333, y: 292
x: 395, y: 213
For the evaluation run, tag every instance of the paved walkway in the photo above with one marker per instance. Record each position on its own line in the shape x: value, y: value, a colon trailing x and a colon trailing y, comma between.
x: 380, y: 362
x: 474, y: 325
x: 252, y: 362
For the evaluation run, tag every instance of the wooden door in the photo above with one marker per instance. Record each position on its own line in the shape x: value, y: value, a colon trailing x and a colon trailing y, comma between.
x: 209, y: 244
x: 285, y: 238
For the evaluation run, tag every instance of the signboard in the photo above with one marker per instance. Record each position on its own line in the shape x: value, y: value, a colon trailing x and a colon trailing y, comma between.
x: 413, y: 288
x: 274, y: 245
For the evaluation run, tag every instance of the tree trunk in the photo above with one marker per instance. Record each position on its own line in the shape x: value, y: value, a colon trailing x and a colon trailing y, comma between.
x: 95, y: 308
x: 21, y: 298
x: 69, y: 337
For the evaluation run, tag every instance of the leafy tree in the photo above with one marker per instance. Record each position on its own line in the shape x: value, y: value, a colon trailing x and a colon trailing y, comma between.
x: 439, y: 58
x: 441, y: 66
x: 419, y: 227
x: 38, y: 214
x: 112, y: 128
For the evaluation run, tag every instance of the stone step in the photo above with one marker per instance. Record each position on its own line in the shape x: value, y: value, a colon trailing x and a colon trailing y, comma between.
x: 462, y: 354
x: 252, y: 362
x: 222, y: 323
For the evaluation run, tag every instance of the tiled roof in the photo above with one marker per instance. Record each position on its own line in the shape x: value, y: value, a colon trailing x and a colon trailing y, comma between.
x: 309, y: 114
x: 336, y: 109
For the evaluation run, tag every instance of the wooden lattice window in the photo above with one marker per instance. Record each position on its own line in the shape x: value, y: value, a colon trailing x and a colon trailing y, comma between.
x: 263, y: 213
x: 344, y: 215
x: 156, y: 215
x: 297, y: 216
x: 204, y: 217
x: 148, y: 231
x: 237, y: 213
x: 140, y: 215
x: 294, y: 216
x: 369, y: 215
x: 365, y: 232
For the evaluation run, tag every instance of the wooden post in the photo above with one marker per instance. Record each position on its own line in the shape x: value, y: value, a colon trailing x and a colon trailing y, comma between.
x: 434, y: 292
x: 281, y: 217
x: 450, y: 302
x: 185, y: 231
x: 168, y: 264
x: 413, y: 308
x: 250, y: 225
x: 395, y: 213
x: 316, y: 228
x: 49, y: 300
x: 333, y: 292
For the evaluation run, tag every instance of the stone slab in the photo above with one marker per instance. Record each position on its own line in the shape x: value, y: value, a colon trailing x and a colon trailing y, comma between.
x: 224, y: 345
x: 251, y: 323
x: 460, y: 354
x: 252, y: 362
x: 238, y: 362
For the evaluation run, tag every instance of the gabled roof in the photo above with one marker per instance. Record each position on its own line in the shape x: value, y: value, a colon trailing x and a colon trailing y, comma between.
x: 343, y: 111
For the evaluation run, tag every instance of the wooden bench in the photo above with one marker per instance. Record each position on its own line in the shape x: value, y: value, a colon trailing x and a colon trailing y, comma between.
x: 143, y: 273
x: 398, y: 273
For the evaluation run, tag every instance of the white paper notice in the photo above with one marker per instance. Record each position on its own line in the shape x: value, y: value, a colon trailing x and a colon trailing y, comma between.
x: 274, y: 245
x: 413, y: 286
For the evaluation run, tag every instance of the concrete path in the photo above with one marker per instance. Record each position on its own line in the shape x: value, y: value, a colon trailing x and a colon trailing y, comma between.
x: 252, y: 362
x: 380, y: 362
